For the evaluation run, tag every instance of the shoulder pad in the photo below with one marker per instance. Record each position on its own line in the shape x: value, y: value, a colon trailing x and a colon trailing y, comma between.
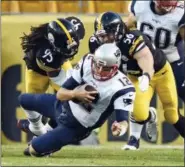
x: 93, y: 43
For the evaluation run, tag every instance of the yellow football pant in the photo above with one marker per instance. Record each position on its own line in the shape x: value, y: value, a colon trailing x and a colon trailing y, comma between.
x: 164, y: 84
x: 37, y: 83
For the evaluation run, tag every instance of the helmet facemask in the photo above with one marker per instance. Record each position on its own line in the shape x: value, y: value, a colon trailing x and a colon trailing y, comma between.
x: 110, y: 34
x: 166, y: 6
x: 102, y: 72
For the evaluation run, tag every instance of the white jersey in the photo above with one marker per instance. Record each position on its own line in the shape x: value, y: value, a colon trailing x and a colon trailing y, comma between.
x: 161, y: 29
x: 114, y: 94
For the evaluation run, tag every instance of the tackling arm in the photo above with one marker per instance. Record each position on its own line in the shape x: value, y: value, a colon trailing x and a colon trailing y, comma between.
x: 145, y: 61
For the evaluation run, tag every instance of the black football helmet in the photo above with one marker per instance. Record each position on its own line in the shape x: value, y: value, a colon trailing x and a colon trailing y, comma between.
x: 63, y: 37
x: 109, y: 27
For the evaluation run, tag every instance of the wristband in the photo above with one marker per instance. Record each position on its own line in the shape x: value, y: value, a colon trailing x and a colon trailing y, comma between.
x: 147, y: 74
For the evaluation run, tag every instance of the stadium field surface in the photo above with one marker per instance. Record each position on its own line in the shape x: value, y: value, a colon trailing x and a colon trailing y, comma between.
x: 104, y: 155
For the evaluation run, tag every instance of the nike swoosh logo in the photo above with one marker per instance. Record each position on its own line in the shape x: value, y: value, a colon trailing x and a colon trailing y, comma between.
x: 179, y: 64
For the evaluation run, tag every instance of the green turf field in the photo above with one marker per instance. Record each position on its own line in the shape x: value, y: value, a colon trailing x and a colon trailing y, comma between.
x: 106, y: 155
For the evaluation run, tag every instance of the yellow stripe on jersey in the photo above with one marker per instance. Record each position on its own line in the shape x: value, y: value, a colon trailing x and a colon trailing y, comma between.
x: 65, y: 30
x: 44, y: 67
x: 135, y: 44
x: 99, y: 21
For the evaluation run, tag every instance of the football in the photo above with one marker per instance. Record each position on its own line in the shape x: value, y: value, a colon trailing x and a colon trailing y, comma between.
x: 89, y: 88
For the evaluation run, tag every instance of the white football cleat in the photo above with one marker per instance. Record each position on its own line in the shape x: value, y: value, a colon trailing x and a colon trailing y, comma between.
x: 37, y: 130
x: 151, y: 126
x: 133, y: 144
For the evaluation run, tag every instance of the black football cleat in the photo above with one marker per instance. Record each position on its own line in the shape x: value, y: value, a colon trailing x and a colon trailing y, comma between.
x: 26, y: 152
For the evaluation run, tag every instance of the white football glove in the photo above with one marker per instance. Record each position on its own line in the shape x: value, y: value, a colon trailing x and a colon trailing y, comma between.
x: 144, y: 83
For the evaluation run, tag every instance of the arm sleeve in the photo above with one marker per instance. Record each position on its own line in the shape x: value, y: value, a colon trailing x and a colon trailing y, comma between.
x: 70, y: 84
x: 137, y: 45
x: 66, y: 66
x: 123, y: 104
x: 93, y: 44
x: 77, y: 72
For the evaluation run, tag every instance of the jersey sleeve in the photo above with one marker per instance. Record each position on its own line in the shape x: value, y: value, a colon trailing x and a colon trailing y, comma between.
x: 132, y: 43
x: 66, y: 66
x: 77, y: 72
x: 125, y: 100
x: 93, y: 44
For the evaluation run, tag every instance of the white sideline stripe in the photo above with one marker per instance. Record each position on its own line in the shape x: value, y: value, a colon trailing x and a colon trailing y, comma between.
x: 141, y: 147
x: 163, y: 146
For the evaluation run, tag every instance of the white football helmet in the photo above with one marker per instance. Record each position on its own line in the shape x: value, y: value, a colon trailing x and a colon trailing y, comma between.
x: 106, y: 61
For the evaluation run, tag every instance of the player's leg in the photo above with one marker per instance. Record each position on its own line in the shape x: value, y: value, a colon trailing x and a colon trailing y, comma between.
x: 140, y: 114
x: 167, y: 92
x: 35, y: 83
x: 36, y: 104
x: 54, y: 140
x: 178, y: 68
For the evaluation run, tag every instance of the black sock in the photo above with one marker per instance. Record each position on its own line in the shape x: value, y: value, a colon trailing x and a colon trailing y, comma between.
x: 180, y: 125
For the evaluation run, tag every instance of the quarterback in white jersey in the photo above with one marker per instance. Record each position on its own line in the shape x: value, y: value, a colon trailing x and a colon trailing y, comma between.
x: 163, y: 21
x: 77, y: 110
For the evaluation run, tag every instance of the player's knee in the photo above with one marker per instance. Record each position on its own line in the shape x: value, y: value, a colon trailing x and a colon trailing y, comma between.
x: 141, y: 116
x: 171, y: 115
x: 33, y: 152
x: 24, y: 100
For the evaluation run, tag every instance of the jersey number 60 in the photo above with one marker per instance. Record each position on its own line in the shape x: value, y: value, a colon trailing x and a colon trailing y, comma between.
x: 162, y: 36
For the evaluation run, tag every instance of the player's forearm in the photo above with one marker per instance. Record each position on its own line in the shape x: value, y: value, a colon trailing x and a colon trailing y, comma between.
x: 145, y: 62
x: 65, y: 94
x: 147, y: 66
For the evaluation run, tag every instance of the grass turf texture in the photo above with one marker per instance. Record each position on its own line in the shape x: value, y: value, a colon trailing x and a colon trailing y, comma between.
x: 105, y: 155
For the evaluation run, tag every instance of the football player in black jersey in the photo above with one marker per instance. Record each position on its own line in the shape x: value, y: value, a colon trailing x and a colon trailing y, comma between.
x: 149, y: 71
x: 167, y: 37
x: 47, y: 48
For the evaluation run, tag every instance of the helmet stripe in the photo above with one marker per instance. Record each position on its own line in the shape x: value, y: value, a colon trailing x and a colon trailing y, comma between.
x: 99, y: 21
x: 65, y: 30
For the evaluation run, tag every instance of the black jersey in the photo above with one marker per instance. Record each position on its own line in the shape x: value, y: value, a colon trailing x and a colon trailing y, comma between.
x: 131, y: 43
x: 94, y: 43
x: 42, y: 59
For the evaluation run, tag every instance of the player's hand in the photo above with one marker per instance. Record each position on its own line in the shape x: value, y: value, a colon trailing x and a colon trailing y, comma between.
x: 143, y: 83
x: 84, y: 96
x: 119, y: 128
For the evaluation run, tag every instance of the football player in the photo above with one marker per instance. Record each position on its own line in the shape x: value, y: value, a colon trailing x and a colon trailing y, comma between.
x: 164, y: 23
x: 46, y: 48
x: 149, y: 71
x: 77, y: 110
